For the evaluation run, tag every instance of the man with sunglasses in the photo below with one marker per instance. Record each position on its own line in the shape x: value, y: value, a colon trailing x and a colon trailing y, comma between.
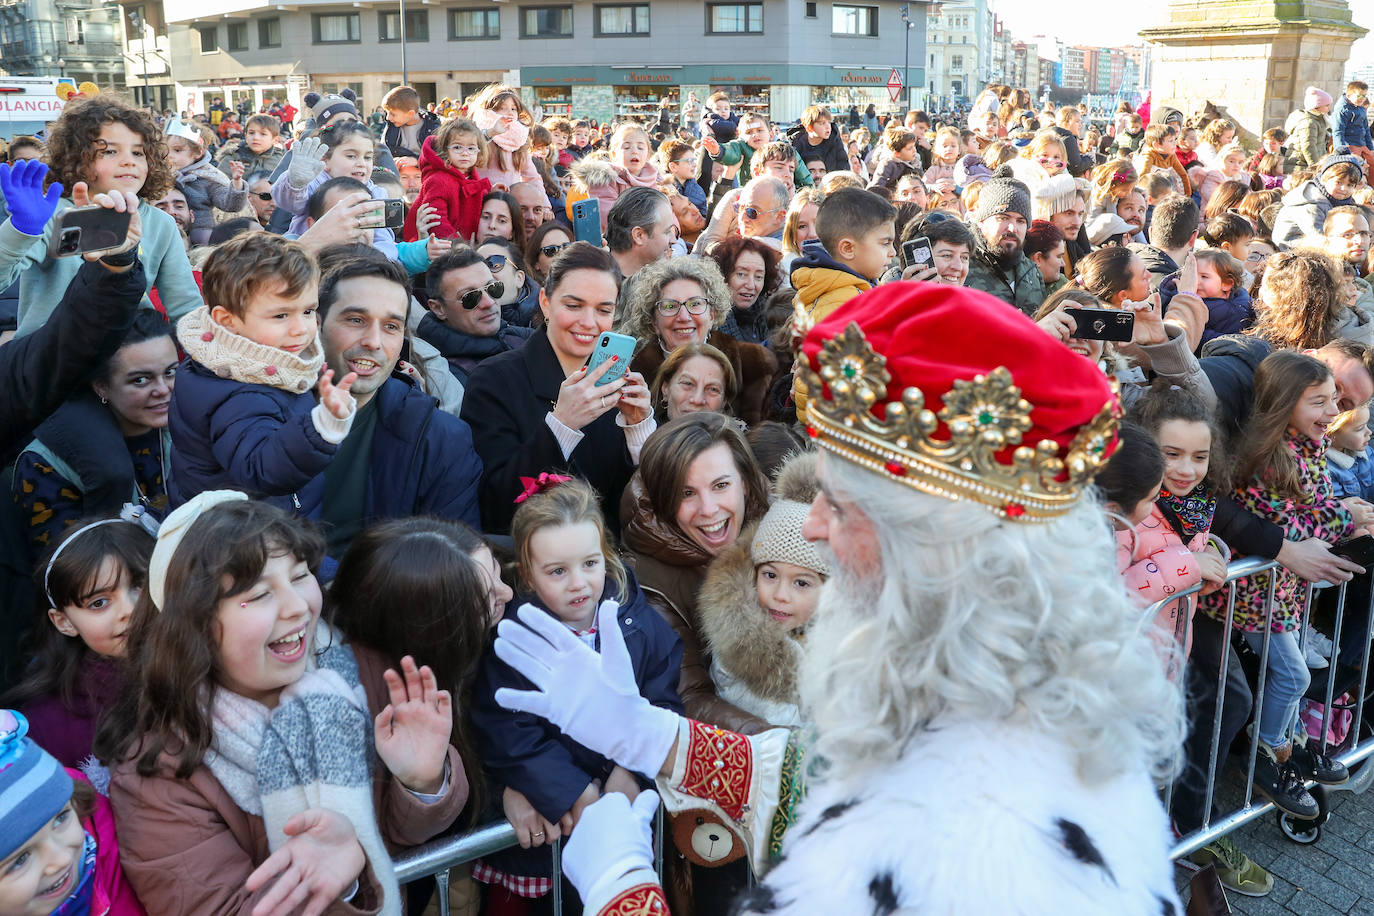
x: 762, y: 210
x: 464, y: 321
x: 260, y: 196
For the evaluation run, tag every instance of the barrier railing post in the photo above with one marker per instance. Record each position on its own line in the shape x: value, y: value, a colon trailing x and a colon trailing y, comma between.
x: 557, y: 851
x: 1364, y: 669
x: 441, y: 888
x: 1332, y: 664
x: 1259, y: 689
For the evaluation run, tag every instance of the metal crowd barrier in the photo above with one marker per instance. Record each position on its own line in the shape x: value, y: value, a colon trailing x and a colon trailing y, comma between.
x: 437, y: 857
x: 1353, y: 750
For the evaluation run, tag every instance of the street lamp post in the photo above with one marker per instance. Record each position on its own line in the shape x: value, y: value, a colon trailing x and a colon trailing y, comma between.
x: 137, y: 21
x: 906, y: 66
x: 405, y: 80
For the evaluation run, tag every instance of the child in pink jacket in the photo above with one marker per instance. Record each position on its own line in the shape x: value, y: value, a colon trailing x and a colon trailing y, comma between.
x: 1153, y: 558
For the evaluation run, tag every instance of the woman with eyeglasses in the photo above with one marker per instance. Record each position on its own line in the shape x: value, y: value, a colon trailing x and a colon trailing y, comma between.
x: 750, y: 268
x: 681, y: 301
x: 548, y: 240
x: 539, y: 409
x: 519, y: 299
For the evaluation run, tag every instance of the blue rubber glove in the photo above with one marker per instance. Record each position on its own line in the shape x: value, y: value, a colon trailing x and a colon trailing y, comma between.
x: 22, y: 185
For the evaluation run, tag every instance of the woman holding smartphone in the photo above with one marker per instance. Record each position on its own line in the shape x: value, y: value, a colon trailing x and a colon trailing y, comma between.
x: 539, y: 409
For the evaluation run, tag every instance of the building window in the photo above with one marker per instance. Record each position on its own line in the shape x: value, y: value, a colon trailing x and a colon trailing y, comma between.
x: 629, y: 19
x: 546, y: 22
x: 236, y: 37
x: 336, y: 28
x: 811, y: 11
x: 734, y: 18
x: 956, y: 62
x: 269, y: 33
x: 465, y: 25
x: 209, y: 39
x: 854, y: 20
x: 389, y: 26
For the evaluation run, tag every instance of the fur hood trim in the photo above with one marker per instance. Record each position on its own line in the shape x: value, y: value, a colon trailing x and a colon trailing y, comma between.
x: 592, y: 172
x: 797, y: 479
x: 739, y: 633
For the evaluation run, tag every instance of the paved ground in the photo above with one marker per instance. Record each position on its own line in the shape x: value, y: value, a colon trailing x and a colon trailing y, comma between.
x: 1335, y: 875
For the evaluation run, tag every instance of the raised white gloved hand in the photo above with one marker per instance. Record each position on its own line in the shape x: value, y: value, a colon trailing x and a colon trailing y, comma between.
x: 593, y: 698
x: 307, y: 161
x: 611, y: 840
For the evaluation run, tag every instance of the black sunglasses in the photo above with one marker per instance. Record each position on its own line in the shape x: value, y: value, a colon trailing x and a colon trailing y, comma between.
x: 473, y: 297
x: 549, y: 251
x: 495, y: 262
x: 262, y: 195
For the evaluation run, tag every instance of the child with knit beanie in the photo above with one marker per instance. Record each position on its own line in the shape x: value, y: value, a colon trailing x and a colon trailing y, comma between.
x: 758, y: 598
x: 58, y: 852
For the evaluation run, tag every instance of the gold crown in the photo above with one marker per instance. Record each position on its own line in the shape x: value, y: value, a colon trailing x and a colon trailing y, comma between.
x: 984, y: 416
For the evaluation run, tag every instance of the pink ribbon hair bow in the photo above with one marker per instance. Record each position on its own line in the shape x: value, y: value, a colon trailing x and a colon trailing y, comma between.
x: 545, y: 481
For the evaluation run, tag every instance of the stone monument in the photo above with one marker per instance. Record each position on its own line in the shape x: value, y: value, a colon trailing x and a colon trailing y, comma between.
x: 1251, y: 58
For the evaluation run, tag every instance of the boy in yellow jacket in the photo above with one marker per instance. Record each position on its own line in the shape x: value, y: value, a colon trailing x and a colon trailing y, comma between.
x: 855, y: 231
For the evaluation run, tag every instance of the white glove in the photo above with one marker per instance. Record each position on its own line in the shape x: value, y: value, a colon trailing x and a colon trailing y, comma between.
x: 593, y: 698
x: 611, y: 840
x: 307, y: 161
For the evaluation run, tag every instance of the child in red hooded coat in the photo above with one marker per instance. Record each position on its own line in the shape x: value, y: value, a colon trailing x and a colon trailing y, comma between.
x: 449, y: 183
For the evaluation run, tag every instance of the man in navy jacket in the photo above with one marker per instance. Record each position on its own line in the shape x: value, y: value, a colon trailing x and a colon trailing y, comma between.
x: 403, y: 456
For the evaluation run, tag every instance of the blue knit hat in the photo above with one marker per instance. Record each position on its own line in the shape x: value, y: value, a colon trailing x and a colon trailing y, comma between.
x: 33, y: 785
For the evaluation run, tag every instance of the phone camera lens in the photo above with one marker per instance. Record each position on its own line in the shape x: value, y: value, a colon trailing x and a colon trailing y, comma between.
x: 605, y: 341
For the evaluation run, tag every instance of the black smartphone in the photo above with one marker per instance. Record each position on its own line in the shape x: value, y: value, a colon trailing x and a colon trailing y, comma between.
x: 916, y: 252
x: 587, y: 221
x: 87, y: 230
x: 1102, y: 324
x: 395, y: 214
x: 1358, y: 550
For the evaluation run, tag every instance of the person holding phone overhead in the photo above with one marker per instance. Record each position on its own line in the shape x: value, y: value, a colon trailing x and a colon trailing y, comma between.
x: 540, y: 408
x: 101, y: 151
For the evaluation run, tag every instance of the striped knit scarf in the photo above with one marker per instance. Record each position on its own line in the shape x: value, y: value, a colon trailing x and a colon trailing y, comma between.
x: 314, y: 750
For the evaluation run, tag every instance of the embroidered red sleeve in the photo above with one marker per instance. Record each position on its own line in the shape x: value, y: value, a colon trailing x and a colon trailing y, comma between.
x: 640, y: 900
x: 719, y: 768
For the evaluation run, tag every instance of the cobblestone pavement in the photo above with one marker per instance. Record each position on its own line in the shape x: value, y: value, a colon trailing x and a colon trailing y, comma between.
x: 1335, y: 875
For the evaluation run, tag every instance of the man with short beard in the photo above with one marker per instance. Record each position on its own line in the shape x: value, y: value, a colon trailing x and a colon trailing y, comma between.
x: 999, y: 264
x: 403, y: 456
x: 1346, y: 231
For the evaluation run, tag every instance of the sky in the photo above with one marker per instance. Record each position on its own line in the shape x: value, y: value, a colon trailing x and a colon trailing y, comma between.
x: 1087, y: 22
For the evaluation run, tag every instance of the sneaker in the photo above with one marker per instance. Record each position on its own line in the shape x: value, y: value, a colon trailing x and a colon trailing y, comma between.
x: 1319, y: 641
x: 1314, y: 658
x: 1282, y: 785
x: 1313, y: 764
x: 1236, y: 871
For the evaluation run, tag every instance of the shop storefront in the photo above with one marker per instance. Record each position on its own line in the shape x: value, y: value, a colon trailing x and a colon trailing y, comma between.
x: 781, y: 93
x: 237, y: 95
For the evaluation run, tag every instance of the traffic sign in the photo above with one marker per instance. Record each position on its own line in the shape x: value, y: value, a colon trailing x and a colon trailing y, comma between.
x: 894, y: 84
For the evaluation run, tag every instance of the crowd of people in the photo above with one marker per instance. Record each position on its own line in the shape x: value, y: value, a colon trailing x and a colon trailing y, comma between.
x: 284, y: 456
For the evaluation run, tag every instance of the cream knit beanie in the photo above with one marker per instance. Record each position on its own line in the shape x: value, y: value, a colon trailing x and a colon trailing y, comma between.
x: 779, y: 538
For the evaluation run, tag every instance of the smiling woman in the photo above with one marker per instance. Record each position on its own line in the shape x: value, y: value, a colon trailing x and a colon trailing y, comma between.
x: 61, y: 476
x: 697, y: 488
x: 538, y: 408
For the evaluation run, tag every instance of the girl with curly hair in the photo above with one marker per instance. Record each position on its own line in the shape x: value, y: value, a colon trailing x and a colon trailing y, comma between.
x: 101, y: 145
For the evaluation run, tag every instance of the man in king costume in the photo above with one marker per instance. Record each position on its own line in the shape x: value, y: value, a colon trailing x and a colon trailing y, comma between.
x: 987, y: 723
